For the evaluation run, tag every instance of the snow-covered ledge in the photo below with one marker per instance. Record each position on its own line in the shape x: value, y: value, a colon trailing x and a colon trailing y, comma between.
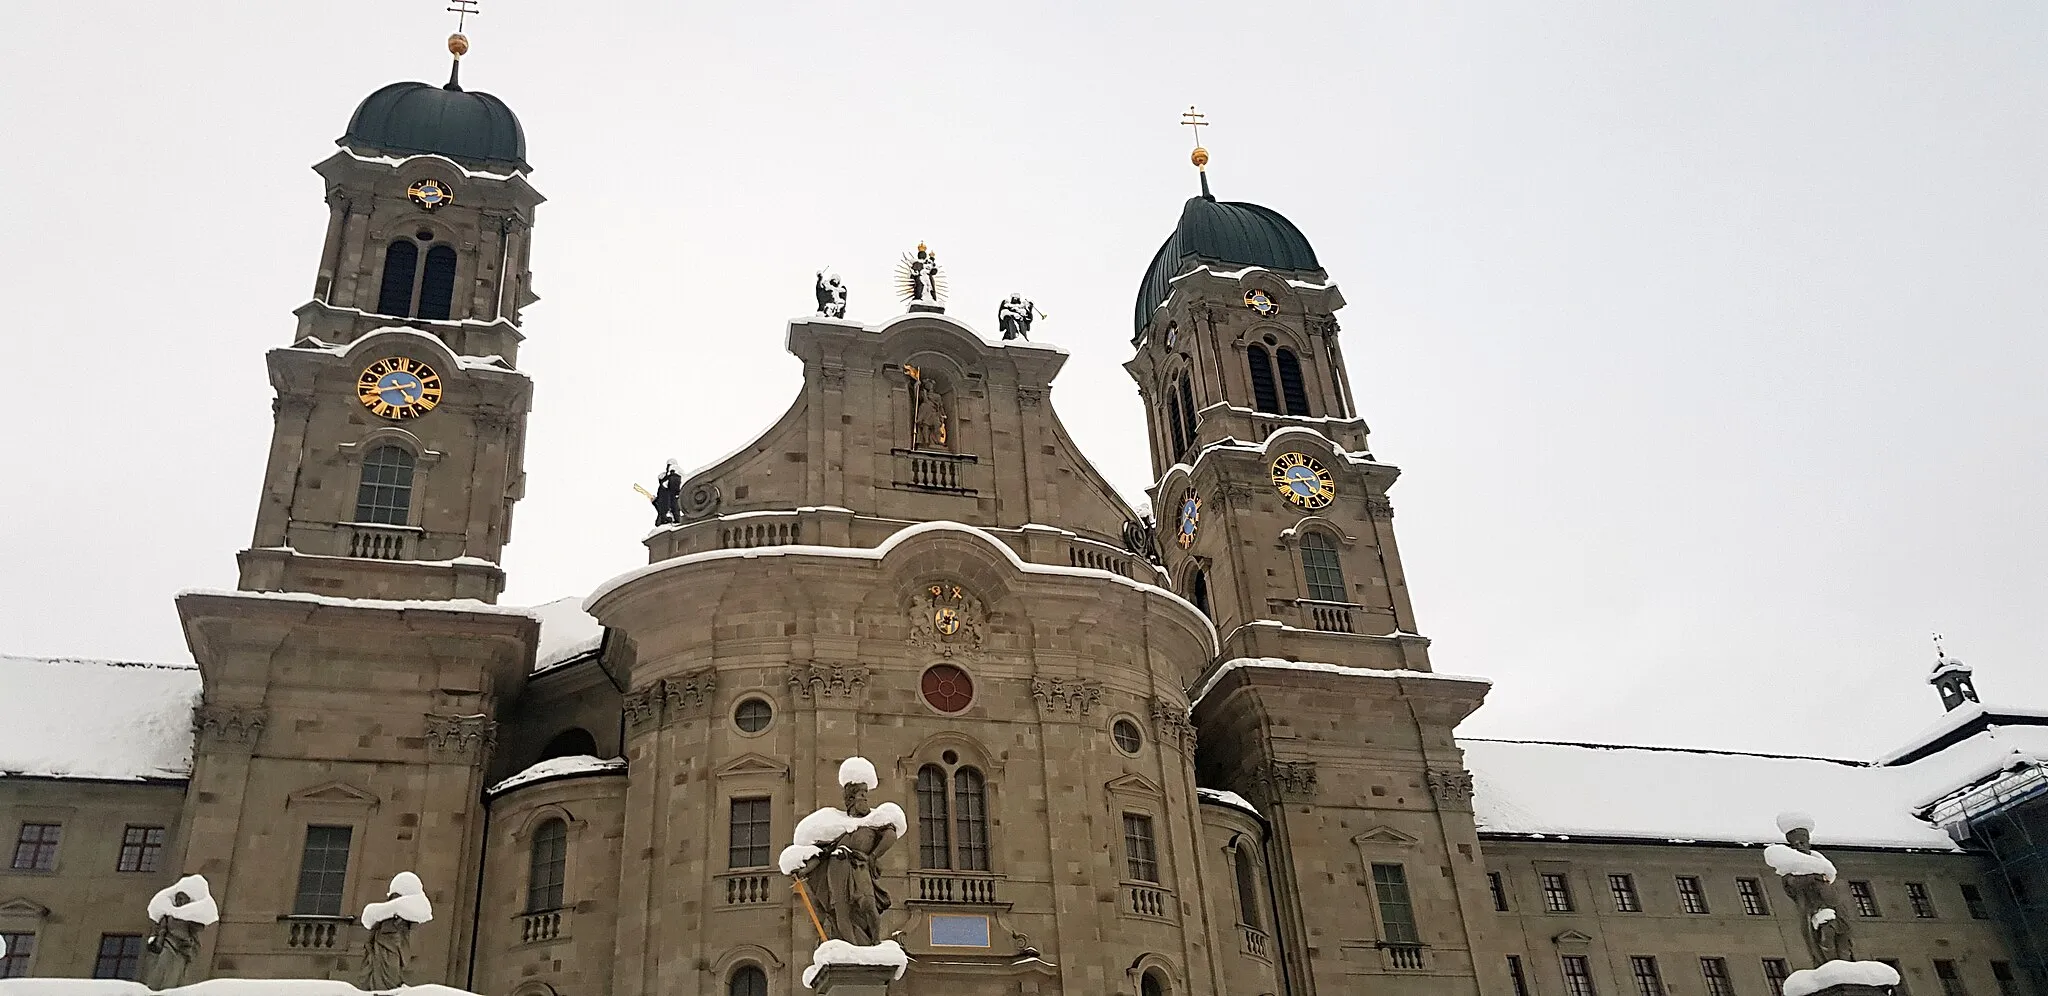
x: 1842, y: 976
x: 212, y: 987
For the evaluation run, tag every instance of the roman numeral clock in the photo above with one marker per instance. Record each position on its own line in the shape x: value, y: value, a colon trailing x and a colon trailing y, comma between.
x: 399, y: 388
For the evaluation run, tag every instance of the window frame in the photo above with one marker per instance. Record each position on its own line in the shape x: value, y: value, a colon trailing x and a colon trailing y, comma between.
x: 1692, y: 895
x: 934, y: 823
x: 1518, y: 978
x: 147, y: 853
x: 754, y: 814
x: 1950, y: 977
x: 971, y: 851
x: 1246, y: 875
x: 1649, y: 979
x: 1776, y: 971
x: 1141, y: 850
x: 1394, y: 903
x: 551, y: 892
x: 1259, y: 364
x: 1864, y: 899
x: 1558, y: 900
x: 1621, y: 888
x: 1750, y: 891
x: 377, y: 501
x: 732, y: 980
x: 300, y: 894
x: 1293, y: 393
x: 2002, y: 975
x: 1921, y: 901
x: 127, y: 957
x: 1974, y: 902
x: 1497, y: 886
x: 1718, y: 980
x: 40, y: 854
x: 19, y: 960
x: 1579, y: 983
x: 1322, y: 575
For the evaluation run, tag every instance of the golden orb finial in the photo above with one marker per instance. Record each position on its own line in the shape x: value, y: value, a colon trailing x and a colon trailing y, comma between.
x: 458, y: 44
x: 1200, y: 157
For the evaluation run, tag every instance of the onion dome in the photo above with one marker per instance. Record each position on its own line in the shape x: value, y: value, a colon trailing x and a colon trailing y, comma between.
x: 471, y: 127
x: 1225, y: 233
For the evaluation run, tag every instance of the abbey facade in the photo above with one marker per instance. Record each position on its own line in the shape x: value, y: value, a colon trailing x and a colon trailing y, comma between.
x: 1208, y: 756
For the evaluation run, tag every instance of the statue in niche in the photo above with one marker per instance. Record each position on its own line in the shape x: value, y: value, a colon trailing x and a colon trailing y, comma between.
x: 831, y: 295
x: 928, y: 414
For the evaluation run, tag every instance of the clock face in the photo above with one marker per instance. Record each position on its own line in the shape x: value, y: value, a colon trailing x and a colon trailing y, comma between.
x: 1303, y: 481
x: 396, y: 387
x: 430, y: 194
x: 1190, y: 520
x: 1260, y: 301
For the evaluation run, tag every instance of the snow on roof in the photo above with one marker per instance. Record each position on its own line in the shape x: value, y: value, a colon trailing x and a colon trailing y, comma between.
x: 559, y: 767
x: 1667, y: 794
x: 1278, y: 664
x: 1231, y: 799
x: 566, y: 632
x: 1954, y: 721
x: 115, y: 720
x: 410, y: 605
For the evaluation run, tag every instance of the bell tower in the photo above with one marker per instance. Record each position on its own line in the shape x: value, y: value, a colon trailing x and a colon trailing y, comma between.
x: 400, y: 418
x: 1274, y: 519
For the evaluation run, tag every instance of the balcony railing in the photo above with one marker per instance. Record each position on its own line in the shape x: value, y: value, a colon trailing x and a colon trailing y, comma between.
x: 1331, y: 617
x: 1147, y: 901
x: 1254, y: 940
x: 312, y: 932
x: 930, y: 471
x: 545, y: 925
x: 743, y: 534
x: 755, y: 889
x: 953, y: 887
x: 1404, y: 957
x: 375, y: 542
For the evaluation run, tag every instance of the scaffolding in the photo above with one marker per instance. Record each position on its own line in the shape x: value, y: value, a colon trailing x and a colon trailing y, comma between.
x: 2006, y: 819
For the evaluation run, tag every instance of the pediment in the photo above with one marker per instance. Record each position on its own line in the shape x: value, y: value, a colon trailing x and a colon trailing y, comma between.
x: 1383, y: 836
x: 752, y: 764
x: 1572, y: 939
x: 1133, y: 783
x: 22, y: 907
x: 333, y: 794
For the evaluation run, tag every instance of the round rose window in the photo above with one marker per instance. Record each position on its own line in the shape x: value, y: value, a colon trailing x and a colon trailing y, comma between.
x: 947, y: 688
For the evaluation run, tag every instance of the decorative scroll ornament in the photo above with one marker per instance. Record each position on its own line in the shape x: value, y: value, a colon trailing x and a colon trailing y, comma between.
x: 1171, y: 727
x: 642, y: 707
x: 1295, y: 780
x: 947, y: 621
x: 228, y: 727
x: 810, y: 680
x: 1452, y: 789
x: 468, y: 739
x: 690, y: 691
x: 1069, y: 696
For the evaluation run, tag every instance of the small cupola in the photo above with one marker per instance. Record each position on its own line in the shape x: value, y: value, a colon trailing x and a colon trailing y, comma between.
x: 1951, y: 677
x: 469, y: 126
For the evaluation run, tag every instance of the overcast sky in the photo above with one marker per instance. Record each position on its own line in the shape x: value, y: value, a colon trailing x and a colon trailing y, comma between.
x: 1709, y: 336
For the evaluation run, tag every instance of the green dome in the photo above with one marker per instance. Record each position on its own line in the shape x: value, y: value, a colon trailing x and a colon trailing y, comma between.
x: 472, y: 128
x: 1230, y: 233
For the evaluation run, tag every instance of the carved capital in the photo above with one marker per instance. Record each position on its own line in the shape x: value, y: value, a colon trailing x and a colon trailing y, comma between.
x: 642, y: 707
x: 811, y: 680
x: 681, y: 695
x: 1065, y: 696
x: 494, y: 418
x: 337, y: 196
x: 1030, y: 397
x: 228, y: 728
x: 1452, y: 788
x: 1291, y: 780
x: 1320, y: 325
x: 833, y: 377
x: 294, y: 406
x: 1170, y: 726
x: 461, y: 739
x: 1379, y: 506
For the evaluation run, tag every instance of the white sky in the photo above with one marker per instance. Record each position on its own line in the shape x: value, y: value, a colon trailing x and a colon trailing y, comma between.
x: 1709, y: 336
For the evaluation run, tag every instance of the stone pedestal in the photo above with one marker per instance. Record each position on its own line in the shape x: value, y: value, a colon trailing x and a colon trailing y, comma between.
x: 1854, y: 989
x: 854, y: 980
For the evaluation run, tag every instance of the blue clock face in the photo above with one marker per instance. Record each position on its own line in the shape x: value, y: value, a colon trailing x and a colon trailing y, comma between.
x: 1302, y: 481
x: 399, y: 388
x: 1190, y: 519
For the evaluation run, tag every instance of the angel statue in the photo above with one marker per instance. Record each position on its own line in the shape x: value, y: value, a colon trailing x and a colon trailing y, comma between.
x: 831, y: 295
x: 1014, y: 317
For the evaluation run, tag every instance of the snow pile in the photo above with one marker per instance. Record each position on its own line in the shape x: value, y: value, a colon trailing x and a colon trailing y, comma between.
x: 559, y: 767
x: 1231, y: 799
x: 410, y: 902
x: 829, y: 824
x: 1787, y: 860
x: 858, y: 771
x: 1825, y: 914
x: 887, y: 954
x: 70, y: 718
x: 1278, y: 664
x: 200, y: 907
x: 211, y: 987
x: 1808, y: 981
x: 566, y: 632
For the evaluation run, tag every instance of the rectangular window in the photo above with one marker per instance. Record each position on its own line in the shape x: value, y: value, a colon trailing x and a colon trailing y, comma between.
x: 1900, y: 989
x: 1715, y: 971
x: 140, y: 848
x: 120, y: 957
x: 1499, y: 888
x: 1624, y: 889
x: 1973, y: 900
x: 1923, y: 904
x: 1141, y: 858
x: 1515, y: 975
x: 35, y: 849
x: 1866, y: 900
x: 1691, y: 897
x: 1648, y: 982
x: 1578, y: 976
x: 2000, y: 970
x: 1557, y: 894
x: 1752, y: 893
x: 1951, y: 983
x: 747, y: 831
x: 20, y: 948
x: 1775, y: 973
x: 1397, y: 913
x: 323, y: 871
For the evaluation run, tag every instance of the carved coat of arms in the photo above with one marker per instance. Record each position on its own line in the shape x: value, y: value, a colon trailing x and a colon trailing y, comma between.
x: 947, y: 621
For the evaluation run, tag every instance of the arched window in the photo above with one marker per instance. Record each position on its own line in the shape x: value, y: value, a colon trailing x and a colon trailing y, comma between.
x: 1187, y: 409
x: 970, y: 813
x: 1320, y: 568
x: 572, y: 742
x: 1151, y: 986
x: 1292, y: 388
x: 934, y: 840
x: 385, y: 495
x: 1173, y: 423
x: 1198, y: 592
x: 550, y: 863
x: 747, y: 980
x: 437, y: 287
x: 1264, y: 397
x: 1247, y: 888
x: 401, y: 259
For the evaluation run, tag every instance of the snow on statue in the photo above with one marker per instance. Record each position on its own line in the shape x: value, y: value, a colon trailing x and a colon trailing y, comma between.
x: 836, y: 860
x: 388, y: 952
x: 831, y: 295
x: 179, y: 913
x: 1809, y: 879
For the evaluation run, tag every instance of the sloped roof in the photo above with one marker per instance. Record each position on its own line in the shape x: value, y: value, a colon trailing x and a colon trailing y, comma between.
x: 113, y: 720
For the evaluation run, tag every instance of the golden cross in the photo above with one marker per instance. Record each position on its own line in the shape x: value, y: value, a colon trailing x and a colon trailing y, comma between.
x: 462, y: 9
x: 1194, y: 119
